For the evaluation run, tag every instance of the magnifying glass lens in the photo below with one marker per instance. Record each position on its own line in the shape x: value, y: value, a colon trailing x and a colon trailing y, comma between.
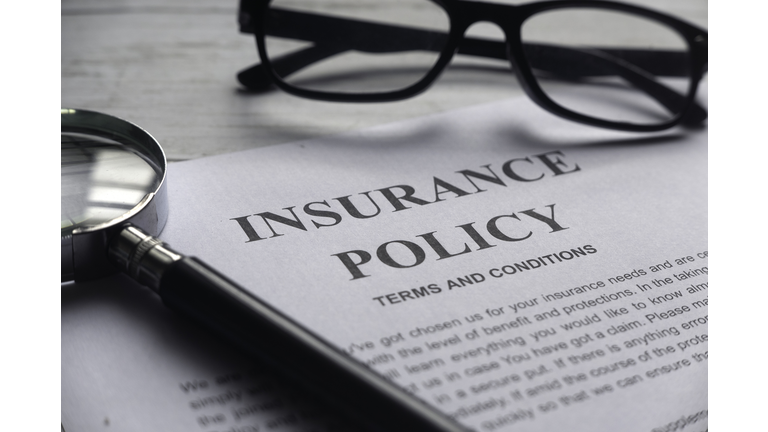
x: 101, y: 180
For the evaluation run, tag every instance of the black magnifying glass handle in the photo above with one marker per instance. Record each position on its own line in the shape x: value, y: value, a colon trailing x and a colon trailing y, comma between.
x: 191, y: 287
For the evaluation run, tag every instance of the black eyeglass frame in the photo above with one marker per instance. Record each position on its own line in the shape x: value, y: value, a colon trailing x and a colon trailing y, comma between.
x: 510, y: 18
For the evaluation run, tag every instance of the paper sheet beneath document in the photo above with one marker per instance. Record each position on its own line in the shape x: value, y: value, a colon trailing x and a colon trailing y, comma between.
x: 516, y: 271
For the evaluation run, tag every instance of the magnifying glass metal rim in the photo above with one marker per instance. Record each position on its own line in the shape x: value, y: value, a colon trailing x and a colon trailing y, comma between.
x: 83, y: 249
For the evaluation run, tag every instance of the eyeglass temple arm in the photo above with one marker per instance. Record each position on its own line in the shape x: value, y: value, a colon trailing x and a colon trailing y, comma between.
x: 597, y: 62
x: 560, y: 61
x: 256, y: 78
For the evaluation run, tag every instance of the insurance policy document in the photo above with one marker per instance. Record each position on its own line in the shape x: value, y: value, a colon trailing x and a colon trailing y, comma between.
x: 514, y: 270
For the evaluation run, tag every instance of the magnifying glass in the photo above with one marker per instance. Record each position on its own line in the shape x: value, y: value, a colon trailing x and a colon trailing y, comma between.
x: 114, y: 203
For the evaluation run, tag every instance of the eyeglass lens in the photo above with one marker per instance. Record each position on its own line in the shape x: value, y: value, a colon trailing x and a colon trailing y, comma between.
x: 608, y: 64
x: 391, y: 60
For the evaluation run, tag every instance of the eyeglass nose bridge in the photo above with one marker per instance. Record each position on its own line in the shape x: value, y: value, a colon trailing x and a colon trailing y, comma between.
x: 464, y: 14
x: 509, y: 18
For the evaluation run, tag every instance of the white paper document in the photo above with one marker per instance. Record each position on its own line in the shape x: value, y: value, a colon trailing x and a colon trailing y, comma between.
x: 516, y: 271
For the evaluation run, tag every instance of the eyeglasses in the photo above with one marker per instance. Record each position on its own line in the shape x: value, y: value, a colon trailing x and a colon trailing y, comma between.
x: 601, y: 63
